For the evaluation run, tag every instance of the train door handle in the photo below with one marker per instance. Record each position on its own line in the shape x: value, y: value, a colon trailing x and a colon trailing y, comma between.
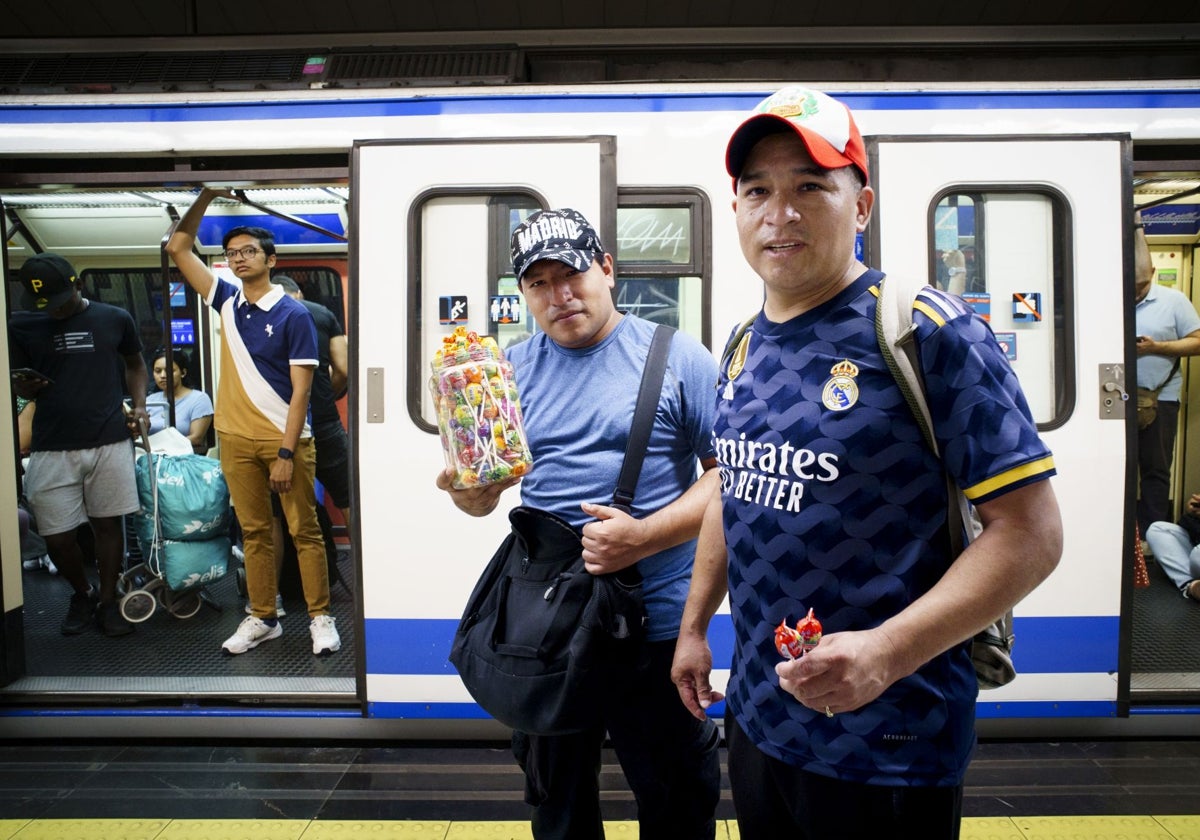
x: 1113, y: 395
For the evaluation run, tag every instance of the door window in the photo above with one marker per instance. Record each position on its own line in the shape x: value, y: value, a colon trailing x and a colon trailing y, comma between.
x: 465, y: 278
x: 1004, y: 251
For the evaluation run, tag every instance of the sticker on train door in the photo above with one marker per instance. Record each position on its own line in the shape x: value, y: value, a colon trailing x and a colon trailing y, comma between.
x: 452, y: 309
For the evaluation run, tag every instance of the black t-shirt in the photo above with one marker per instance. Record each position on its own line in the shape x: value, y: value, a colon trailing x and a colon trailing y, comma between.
x: 322, y: 402
x: 84, y: 357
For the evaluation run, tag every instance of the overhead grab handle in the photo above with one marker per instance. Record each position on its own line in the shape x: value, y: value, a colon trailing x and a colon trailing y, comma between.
x: 241, y: 196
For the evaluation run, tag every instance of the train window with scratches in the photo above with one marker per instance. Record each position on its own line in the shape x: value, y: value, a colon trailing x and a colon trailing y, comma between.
x: 1005, y: 250
x: 663, y: 257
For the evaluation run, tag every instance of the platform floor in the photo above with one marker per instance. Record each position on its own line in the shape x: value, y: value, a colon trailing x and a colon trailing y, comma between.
x: 1015, y: 791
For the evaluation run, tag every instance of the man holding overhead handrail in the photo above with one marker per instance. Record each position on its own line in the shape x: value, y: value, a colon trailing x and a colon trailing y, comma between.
x: 268, y: 354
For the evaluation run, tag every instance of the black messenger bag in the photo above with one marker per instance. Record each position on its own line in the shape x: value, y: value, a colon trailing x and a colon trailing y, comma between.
x: 540, y: 635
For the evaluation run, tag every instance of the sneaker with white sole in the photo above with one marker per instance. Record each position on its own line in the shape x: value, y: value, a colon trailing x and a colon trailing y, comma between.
x: 280, y: 612
x: 325, y: 636
x: 250, y: 634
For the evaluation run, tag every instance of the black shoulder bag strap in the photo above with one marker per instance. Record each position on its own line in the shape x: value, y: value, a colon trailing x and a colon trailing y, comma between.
x: 643, y: 417
x: 1174, y: 370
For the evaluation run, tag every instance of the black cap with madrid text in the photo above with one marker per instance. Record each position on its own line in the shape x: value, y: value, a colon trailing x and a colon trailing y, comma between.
x: 47, y: 282
x: 563, y: 235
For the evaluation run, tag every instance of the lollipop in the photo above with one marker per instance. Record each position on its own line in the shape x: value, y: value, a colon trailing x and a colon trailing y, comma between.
x: 788, y: 641
x: 810, y: 631
x: 793, y: 644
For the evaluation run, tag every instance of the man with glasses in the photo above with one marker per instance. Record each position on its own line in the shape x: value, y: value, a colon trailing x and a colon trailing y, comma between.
x: 268, y: 355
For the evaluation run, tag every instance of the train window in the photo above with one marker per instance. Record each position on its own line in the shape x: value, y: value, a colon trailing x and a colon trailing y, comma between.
x: 139, y: 292
x: 320, y: 284
x: 661, y: 254
x: 1004, y: 250
x: 458, y: 285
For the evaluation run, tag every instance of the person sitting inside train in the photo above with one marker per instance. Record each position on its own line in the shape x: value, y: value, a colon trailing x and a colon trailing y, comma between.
x: 1176, y: 548
x: 193, y: 407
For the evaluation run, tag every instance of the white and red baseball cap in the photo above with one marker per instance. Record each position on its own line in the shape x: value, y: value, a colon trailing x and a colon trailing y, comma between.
x: 825, y: 125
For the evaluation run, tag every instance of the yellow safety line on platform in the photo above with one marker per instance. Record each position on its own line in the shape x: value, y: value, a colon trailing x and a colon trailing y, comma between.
x: 974, y: 828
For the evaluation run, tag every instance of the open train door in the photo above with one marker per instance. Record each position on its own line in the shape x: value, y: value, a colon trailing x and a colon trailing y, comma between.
x: 429, y: 252
x: 1035, y: 233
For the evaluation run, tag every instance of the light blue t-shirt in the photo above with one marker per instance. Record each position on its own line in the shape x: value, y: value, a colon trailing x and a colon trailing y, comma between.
x: 577, y: 407
x: 194, y: 405
x: 1164, y: 314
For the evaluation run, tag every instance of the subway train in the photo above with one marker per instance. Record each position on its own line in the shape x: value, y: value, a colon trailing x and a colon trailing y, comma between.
x: 394, y: 208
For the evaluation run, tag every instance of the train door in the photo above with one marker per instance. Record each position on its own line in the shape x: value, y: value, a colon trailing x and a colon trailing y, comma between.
x: 430, y: 253
x: 1034, y: 234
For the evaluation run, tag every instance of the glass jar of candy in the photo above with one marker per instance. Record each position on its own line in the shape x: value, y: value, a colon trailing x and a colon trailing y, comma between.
x: 478, y: 410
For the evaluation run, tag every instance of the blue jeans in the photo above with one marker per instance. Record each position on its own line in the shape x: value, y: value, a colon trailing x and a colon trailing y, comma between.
x: 670, y: 760
x: 1174, y: 552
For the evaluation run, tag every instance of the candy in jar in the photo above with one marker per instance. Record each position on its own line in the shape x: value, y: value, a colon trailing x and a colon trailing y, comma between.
x: 478, y: 410
x: 795, y: 643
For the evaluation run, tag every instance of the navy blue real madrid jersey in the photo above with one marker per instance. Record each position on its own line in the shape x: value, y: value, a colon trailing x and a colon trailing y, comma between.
x: 832, y: 501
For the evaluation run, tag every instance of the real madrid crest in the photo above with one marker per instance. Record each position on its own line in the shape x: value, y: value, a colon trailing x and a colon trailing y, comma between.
x: 841, y: 391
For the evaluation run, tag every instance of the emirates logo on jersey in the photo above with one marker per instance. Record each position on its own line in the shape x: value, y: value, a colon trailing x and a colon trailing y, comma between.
x: 841, y: 391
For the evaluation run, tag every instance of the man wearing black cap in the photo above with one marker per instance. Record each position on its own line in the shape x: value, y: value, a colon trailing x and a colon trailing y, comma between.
x: 81, y: 458
x: 833, y: 505
x: 579, y: 379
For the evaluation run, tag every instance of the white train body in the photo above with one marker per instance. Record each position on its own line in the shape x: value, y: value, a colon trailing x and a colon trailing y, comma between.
x: 1053, y: 168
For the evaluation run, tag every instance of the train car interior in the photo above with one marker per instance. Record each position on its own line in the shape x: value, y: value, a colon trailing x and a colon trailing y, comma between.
x: 112, y: 236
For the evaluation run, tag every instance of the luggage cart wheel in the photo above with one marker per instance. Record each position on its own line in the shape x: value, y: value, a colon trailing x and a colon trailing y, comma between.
x: 185, y: 605
x: 138, y: 605
x: 241, y: 582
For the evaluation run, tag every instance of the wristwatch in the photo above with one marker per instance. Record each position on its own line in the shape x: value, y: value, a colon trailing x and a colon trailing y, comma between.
x: 284, y: 453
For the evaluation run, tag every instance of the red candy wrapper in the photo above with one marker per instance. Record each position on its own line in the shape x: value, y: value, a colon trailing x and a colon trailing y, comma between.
x: 792, y: 644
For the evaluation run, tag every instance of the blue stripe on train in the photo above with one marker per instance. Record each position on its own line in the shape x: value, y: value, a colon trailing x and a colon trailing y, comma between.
x: 1045, y: 645
x: 984, y: 710
x: 582, y: 103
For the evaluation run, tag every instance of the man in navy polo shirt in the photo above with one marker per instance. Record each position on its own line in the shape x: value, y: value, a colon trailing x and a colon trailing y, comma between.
x: 268, y: 355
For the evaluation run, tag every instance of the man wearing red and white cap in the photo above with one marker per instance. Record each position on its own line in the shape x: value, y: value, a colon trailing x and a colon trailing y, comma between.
x: 832, y: 504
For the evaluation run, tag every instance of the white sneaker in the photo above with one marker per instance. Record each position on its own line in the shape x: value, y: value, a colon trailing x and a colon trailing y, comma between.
x: 250, y: 633
x: 42, y: 562
x: 324, y: 635
x: 280, y: 612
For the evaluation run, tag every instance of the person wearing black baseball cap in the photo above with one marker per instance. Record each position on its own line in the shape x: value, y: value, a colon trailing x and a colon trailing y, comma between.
x: 832, y: 505
x: 48, y: 285
x: 81, y: 456
x: 579, y: 378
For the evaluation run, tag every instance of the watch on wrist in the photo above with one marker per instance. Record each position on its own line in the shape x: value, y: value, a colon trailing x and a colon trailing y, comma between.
x: 285, y: 453
x: 1137, y: 225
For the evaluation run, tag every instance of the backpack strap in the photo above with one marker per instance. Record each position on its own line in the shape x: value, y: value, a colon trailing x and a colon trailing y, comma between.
x: 895, y: 332
x: 735, y: 341
x: 643, y: 416
x: 991, y: 648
